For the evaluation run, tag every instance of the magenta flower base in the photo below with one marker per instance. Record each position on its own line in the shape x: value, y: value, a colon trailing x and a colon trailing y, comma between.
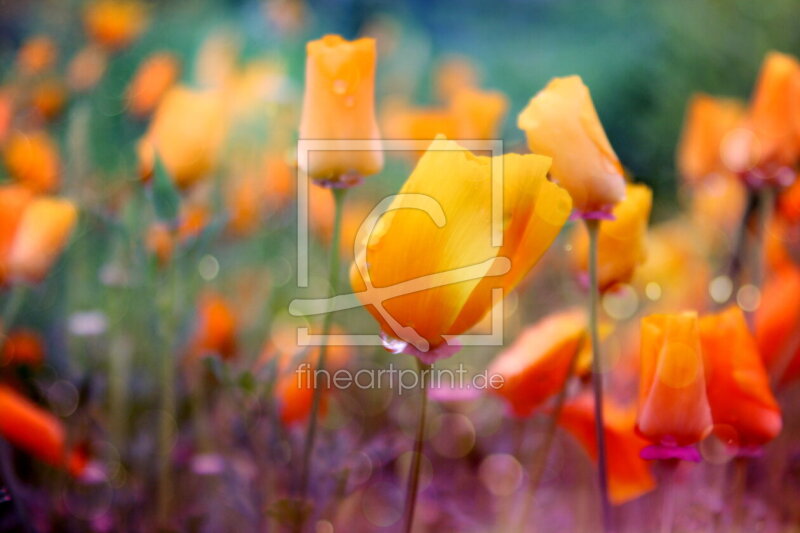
x: 661, y: 452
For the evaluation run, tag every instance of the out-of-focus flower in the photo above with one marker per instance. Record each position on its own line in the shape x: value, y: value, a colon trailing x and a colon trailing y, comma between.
x: 294, y: 387
x: 622, y: 244
x: 86, y: 68
x: 743, y: 408
x: 187, y: 133
x: 453, y: 75
x: 561, y: 122
x: 48, y: 98
x: 673, y: 406
x: 279, y: 181
x: 708, y: 120
x: 215, y: 65
x: 781, y: 244
x: 42, y: 233
x: 288, y: 16
x: 775, y: 141
x: 115, y: 24
x: 22, y: 347
x: 535, y: 367
x: 152, y: 80
x: 161, y: 240
x: 451, y: 239
x: 37, y: 55
x: 401, y: 121
x: 629, y: 476
x: 339, y: 104
x: 32, y: 159
x: 215, y: 328
x: 776, y: 320
x: 789, y: 202
x: 478, y: 114
x: 674, y: 248
x: 13, y: 201
x: 37, y: 432
x: 717, y: 205
x: 245, y: 205
x: 6, y: 112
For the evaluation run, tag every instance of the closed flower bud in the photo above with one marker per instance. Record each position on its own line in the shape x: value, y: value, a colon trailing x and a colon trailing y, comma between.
x: 339, y: 105
x: 561, y: 122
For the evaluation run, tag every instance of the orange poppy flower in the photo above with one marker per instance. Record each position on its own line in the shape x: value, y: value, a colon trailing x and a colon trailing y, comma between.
x: 707, y: 121
x: 478, y: 114
x: 339, y: 104
x: 37, y: 55
x: 279, y: 181
x: 48, y: 98
x: 13, y: 201
x: 535, y: 367
x: 673, y: 406
x: 437, y: 240
x: 622, y: 244
x: 561, y: 122
x: 37, y: 432
x: 152, y: 80
x: 43, y: 231
x: 776, y: 320
x: 115, y: 24
x: 215, y: 328
x: 629, y: 476
x: 772, y: 105
x: 86, y: 68
x: 454, y: 75
x: 6, y: 112
x: 161, y: 240
x: 32, y: 159
x: 187, y: 131
x: 401, y: 121
x: 22, y: 347
x: 743, y: 408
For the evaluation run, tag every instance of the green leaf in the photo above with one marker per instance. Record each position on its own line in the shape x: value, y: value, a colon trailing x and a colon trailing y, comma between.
x: 166, y: 199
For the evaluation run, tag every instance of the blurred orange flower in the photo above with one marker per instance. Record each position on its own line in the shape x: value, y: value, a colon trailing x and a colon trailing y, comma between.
x: 37, y: 432
x: 673, y: 406
x: 561, y: 122
x: 708, y: 120
x: 743, y: 408
x: 187, y: 131
x: 339, y: 104
x: 42, y: 233
x: 279, y: 181
x: 37, y: 55
x: 776, y: 320
x: 478, y: 114
x: 770, y: 113
x: 48, y: 98
x: 32, y: 159
x: 115, y: 24
x: 161, y: 240
x: 86, y: 68
x: 409, y: 243
x: 622, y: 244
x: 22, y: 347
x: 152, y: 80
x: 13, y: 201
x: 629, y: 476
x: 535, y: 367
x: 215, y: 328
x: 245, y: 205
x: 453, y: 75
x: 401, y: 121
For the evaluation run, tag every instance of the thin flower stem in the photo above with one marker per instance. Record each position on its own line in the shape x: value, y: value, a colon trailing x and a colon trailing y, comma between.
x: 766, y: 204
x: 597, y: 375
x: 11, y: 309
x: 668, y: 503
x: 333, y: 273
x: 543, y: 452
x: 416, y: 460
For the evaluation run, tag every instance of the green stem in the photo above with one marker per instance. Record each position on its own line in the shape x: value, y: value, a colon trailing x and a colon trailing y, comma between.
x: 333, y: 273
x: 168, y: 324
x: 766, y: 205
x: 11, y: 309
x: 416, y: 460
x: 593, y: 227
